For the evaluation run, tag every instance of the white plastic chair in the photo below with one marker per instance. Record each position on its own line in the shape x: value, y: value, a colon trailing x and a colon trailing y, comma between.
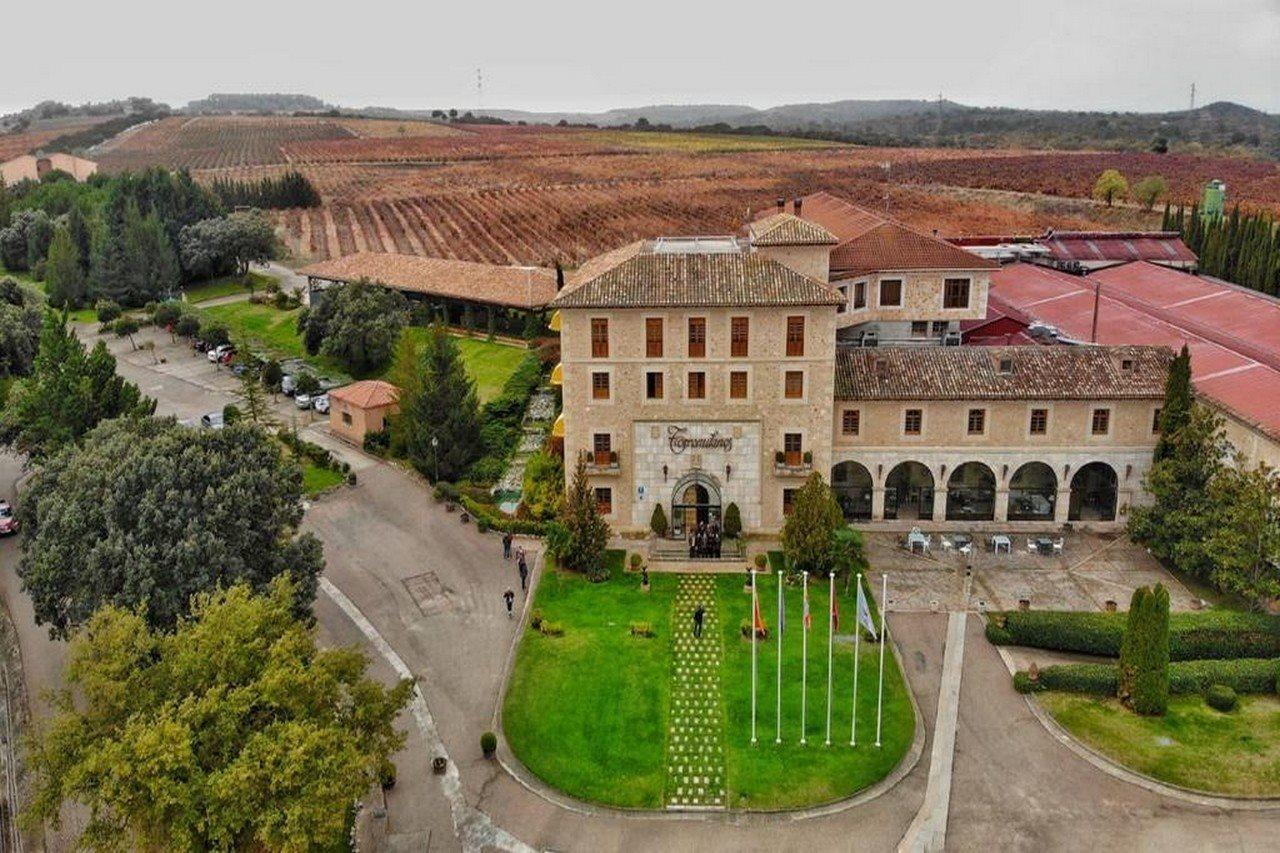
x: 1031, y: 546
x: 1057, y: 545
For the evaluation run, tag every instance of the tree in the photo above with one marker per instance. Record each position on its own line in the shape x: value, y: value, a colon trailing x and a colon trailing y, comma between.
x: 1110, y: 186
x: 252, y: 396
x: 187, y: 326
x: 1244, y: 534
x: 235, y: 732
x: 19, y: 335
x: 167, y: 315
x: 848, y: 553
x: 214, y: 333
x: 228, y: 243
x: 438, y: 402
x: 585, y: 534
x: 153, y: 265
x: 145, y: 513
x: 658, y: 521
x: 732, y: 521
x: 64, y: 274
x: 68, y: 393
x: 126, y: 327
x: 109, y: 274
x: 358, y: 324
x: 39, y: 236
x: 26, y: 239
x: 808, y: 531
x: 1175, y: 526
x: 1144, y: 652
x: 1178, y: 402
x: 272, y: 374
x: 1149, y: 190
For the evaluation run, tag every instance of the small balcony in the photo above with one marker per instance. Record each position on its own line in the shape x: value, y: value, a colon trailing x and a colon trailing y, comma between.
x: 603, y: 462
x: 792, y: 463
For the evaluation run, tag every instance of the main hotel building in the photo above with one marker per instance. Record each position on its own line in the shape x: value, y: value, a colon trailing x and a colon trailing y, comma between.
x: 703, y: 371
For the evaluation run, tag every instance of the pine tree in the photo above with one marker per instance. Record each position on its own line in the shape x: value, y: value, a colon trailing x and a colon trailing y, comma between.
x: 440, y: 402
x: 109, y: 276
x: 64, y: 278
x: 1177, y: 403
x: 153, y: 265
x: 582, y: 535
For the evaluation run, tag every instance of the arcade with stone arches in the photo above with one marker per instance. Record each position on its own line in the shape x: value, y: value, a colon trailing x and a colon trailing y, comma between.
x: 962, y: 488
x: 695, y: 499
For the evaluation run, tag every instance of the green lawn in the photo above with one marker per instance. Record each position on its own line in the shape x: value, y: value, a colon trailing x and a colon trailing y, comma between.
x: 1192, y: 745
x: 587, y: 712
x: 316, y: 479
x: 489, y: 363
x: 229, y: 285
x: 704, y: 142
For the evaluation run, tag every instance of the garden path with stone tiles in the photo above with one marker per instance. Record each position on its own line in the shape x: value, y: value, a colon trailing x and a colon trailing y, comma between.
x: 695, y: 747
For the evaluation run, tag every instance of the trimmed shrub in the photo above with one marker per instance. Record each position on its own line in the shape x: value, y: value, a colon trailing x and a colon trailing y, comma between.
x: 488, y: 744
x: 550, y: 629
x: 1144, y: 652
x: 107, y: 310
x: 732, y: 521
x: 760, y: 561
x: 658, y: 521
x: 1222, y: 698
x: 635, y: 560
x: 1209, y: 635
x: 1249, y: 675
x: 641, y: 629
x: 387, y: 774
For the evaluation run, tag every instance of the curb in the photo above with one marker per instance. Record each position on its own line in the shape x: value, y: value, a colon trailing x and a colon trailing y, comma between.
x: 1124, y: 774
x: 530, y: 782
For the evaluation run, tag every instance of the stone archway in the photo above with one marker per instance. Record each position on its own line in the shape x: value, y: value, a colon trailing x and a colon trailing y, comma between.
x: 908, y: 492
x: 971, y: 493
x: 852, y: 485
x: 694, y: 500
x: 1094, y: 490
x: 1033, y: 492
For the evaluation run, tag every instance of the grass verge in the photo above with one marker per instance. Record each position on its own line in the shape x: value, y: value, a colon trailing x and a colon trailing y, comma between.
x: 317, y: 479
x: 1194, y: 746
x: 230, y: 285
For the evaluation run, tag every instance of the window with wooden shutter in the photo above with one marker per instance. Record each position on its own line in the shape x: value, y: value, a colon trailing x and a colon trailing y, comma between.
x: 653, y: 337
x: 599, y: 338
x: 600, y: 386
x: 739, y: 337
x: 697, y: 337
x: 795, y: 336
x: 738, y: 384
x: 697, y: 385
x: 793, y: 385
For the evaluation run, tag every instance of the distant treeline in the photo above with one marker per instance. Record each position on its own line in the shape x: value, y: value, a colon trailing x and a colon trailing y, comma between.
x: 102, y: 131
x: 292, y: 189
x: 1241, y: 248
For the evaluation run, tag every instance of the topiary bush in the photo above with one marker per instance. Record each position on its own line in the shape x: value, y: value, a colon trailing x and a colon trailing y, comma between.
x: 107, y: 310
x: 1144, y: 653
x: 1222, y: 698
x: 658, y: 521
x: 488, y: 744
x: 732, y: 521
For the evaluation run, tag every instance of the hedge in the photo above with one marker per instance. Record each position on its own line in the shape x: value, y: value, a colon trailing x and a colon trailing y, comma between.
x: 497, y: 520
x: 1210, y: 635
x: 1246, y: 675
x: 502, y: 417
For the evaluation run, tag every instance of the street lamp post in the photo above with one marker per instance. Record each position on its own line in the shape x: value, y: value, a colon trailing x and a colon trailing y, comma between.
x: 435, y: 455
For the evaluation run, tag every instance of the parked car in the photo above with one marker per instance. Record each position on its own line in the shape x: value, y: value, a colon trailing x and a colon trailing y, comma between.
x: 227, y: 356
x: 216, y: 354
x: 199, y: 346
x: 321, y: 404
x: 302, y: 401
x: 288, y: 383
x: 8, y: 519
x: 239, y: 368
x: 213, y: 420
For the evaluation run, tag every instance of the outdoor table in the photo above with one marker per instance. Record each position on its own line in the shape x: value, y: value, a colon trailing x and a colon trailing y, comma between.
x: 915, y: 538
x: 1044, y: 545
x: 1001, y: 541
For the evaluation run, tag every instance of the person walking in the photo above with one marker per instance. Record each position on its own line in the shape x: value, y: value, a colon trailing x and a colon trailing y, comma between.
x: 698, y: 616
x: 506, y: 546
x: 524, y: 577
x: 510, y: 598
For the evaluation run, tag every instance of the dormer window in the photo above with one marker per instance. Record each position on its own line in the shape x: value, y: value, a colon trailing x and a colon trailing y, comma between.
x: 1006, y: 366
x: 1126, y: 364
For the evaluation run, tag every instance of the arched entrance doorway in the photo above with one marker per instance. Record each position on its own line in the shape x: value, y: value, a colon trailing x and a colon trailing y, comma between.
x: 851, y: 483
x: 1093, y: 493
x: 695, y: 500
x: 971, y: 493
x: 1033, y: 491
x: 908, y: 492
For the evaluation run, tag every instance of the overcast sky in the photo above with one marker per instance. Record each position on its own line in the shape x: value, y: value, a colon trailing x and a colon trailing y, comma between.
x: 561, y: 55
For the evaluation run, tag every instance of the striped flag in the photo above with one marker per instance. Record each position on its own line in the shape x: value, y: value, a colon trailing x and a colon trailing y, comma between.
x: 835, y: 612
x: 757, y: 619
x: 808, y: 617
x: 864, y: 612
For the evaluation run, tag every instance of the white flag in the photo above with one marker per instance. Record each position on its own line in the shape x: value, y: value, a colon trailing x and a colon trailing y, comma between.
x: 864, y: 614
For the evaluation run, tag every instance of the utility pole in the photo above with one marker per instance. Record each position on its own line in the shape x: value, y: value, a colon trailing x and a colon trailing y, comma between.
x: 1193, y: 96
x: 479, y: 92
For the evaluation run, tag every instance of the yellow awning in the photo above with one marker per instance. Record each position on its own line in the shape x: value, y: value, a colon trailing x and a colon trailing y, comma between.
x: 557, y: 428
x: 554, y: 323
x: 557, y: 375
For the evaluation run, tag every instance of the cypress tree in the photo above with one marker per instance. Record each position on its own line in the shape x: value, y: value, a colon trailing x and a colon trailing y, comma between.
x: 109, y: 267
x: 1144, y: 652
x: 153, y: 265
x: 440, y: 403
x: 1177, y: 403
x: 63, y: 275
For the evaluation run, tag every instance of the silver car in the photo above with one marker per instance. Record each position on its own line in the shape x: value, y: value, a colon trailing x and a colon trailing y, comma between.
x: 321, y: 404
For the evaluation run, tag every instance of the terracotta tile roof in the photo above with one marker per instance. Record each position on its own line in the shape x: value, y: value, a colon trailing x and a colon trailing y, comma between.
x: 870, y: 242
x: 515, y: 287
x: 637, y: 276
x: 787, y: 229
x: 973, y: 373
x: 367, y: 394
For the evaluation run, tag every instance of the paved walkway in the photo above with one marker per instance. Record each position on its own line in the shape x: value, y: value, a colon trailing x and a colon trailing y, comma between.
x: 695, y: 747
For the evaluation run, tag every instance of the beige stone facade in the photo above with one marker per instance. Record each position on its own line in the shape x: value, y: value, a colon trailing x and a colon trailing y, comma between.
x: 890, y: 302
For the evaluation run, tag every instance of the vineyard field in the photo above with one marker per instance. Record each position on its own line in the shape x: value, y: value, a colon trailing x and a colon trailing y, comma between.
x: 209, y: 142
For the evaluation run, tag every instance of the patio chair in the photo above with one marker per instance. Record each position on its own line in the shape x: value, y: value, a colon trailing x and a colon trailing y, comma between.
x: 947, y: 544
x: 1057, y: 545
x: 1031, y: 546
x: 966, y: 549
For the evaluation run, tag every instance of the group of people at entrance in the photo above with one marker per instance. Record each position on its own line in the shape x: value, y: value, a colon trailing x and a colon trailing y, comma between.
x: 704, y: 540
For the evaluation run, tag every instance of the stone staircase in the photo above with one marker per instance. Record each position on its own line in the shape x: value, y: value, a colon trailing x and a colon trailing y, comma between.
x: 695, y: 745
x: 677, y: 551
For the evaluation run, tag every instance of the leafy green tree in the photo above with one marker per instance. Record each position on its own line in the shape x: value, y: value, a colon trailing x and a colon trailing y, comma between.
x: 126, y: 327
x: 19, y: 334
x: 848, y: 553
x: 235, y: 732
x: 64, y: 274
x: 1175, y: 526
x: 68, y: 393
x: 1178, y: 402
x: 255, y: 405
x: 214, y: 333
x: 732, y: 521
x: 307, y: 383
x: 187, y: 326
x: 153, y: 265
x: 39, y: 236
x: 438, y: 402
x: 1244, y: 534
x: 358, y: 324
x: 224, y: 244
x: 145, y: 513
x: 658, y: 521
x: 272, y: 374
x: 808, y: 532
x: 26, y: 239
x: 109, y: 273
x: 543, y: 492
x: 1144, y: 652
x: 1111, y: 185
x: 1149, y: 190
x: 583, y: 534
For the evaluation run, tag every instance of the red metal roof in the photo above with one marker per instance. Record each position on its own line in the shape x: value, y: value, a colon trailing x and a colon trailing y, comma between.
x: 1118, y: 246
x: 1233, y: 335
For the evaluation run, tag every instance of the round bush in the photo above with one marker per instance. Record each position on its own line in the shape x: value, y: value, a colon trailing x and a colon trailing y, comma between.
x: 1222, y: 698
x: 488, y: 744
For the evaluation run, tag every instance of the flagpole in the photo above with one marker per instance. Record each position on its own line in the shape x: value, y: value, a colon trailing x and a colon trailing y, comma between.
x: 831, y: 639
x: 777, y: 738
x: 857, y: 638
x: 753, y: 656
x: 884, y: 641
x: 804, y: 666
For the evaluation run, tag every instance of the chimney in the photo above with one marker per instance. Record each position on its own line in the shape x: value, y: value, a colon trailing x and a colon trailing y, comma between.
x: 782, y: 204
x: 798, y: 201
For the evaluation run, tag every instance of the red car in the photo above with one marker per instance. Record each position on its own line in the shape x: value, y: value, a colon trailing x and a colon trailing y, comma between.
x: 8, y: 520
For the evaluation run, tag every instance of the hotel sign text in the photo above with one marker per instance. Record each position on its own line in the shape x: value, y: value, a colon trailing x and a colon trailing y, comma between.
x: 678, y: 439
